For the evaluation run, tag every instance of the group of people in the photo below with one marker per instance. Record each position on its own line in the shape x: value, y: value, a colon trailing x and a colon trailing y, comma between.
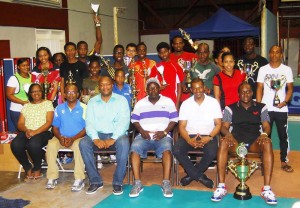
x: 224, y: 100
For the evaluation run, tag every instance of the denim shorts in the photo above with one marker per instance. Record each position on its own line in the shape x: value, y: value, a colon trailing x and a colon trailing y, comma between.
x: 141, y: 146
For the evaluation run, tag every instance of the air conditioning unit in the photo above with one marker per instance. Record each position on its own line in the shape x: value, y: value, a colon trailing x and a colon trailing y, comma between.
x: 44, y: 3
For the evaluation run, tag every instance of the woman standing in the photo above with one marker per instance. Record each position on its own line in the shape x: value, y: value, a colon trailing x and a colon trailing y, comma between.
x: 34, y: 123
x: 45, y: 72
x: 226, y: 82
x: 16, y: 89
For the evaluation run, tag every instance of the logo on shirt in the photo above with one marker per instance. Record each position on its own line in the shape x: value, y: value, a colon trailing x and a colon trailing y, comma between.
x: 255, y: 113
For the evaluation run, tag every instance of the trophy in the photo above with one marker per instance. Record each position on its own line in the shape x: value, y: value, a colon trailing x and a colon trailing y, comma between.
x: 276, y: 84
x: 127, y: 60
x: 95, y: 7
x: 242, y: 170
x: 45, y: 85
x: 187, y: 37
x: 247, y: 69
x: 161, y: 69
x: 187, y: 65
x: 70, y: 79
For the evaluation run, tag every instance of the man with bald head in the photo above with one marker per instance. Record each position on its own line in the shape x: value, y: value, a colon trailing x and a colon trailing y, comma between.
x: 107, y: 121
x: 275, y: 89
x: 204, y: 68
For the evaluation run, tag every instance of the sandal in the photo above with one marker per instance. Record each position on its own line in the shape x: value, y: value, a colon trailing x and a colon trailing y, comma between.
x: 28, y: 179
x: 287, y: 168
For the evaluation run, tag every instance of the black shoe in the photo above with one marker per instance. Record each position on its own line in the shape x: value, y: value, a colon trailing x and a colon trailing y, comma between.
x: 93, y: 188
x: 118, y: 190
x: 186, y: 180
x: 206, y: 181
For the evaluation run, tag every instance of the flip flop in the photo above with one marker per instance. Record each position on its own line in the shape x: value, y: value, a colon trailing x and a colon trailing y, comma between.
x: 287, y: 168
x: 38, y: 178
x: 28, y: 179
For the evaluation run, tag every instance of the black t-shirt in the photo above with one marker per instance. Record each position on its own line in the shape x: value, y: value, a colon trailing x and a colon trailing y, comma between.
x: 255, y: 63
x: 78, y: 72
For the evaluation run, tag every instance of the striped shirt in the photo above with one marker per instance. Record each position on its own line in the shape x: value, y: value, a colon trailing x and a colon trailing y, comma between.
x: 154, y: 117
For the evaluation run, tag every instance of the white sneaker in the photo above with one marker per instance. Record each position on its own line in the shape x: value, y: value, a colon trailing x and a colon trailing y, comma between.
x: 51, y: 184
x: 78, y: 185
x: 113, y: 158
x: 268, y: 196
x: 219, y: 193
x: 99, y: 165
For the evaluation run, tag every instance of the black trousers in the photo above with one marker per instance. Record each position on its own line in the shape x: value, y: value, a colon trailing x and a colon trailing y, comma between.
x: 180, y: 151
x: 281, y: 121
x: 34, y: 149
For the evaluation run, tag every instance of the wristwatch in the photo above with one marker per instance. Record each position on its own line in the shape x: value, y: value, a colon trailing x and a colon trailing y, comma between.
x: 165, y: 133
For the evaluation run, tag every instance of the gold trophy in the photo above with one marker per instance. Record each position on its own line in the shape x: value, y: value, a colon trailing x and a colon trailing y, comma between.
x: 187, y: 37
x: 45, y: 85
x: 187, y: 65
x: 242, y: 170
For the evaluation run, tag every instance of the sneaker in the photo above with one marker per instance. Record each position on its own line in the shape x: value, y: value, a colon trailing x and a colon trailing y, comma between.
x: 51, y: 184
x: 113, y: 158
x: 167, y: 189
x: 219, y: 193
x: 117, y: 190
x: 78, y: 185
x: 136, y: 189
x: 268, y: 196
x: 99, y: 165
x: 93, y: 188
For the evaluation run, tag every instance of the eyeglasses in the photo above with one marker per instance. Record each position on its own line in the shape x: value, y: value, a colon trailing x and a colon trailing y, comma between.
x: 71, y: 93
x: 36, y: 91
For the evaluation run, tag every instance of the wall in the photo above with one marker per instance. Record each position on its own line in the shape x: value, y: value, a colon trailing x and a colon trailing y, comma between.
x: 152, y: 40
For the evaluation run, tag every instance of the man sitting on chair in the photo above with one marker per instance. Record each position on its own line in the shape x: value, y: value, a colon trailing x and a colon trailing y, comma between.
x: 246, y: 117
x: 199, y: 124
x: 68, y: 129
x: 154, y: 117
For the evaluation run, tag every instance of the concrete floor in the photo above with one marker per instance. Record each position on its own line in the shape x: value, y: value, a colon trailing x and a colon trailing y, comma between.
x: 283, y: 184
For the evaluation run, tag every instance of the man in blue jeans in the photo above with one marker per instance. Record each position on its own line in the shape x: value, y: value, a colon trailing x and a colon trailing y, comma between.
x: 199, y: 124
x: 107, y: 121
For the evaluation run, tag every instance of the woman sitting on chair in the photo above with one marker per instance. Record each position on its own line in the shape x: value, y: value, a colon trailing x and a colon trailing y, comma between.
x: 34, y: 123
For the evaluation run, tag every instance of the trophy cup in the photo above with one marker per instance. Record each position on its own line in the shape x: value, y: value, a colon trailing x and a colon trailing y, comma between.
x: 187, y: 37
x: 276, y: 84
x: 95, y: 7
x: 187, y: 65
x: 127, y: 60
x: 70, y: 79
x: 247, y: 69
x: 242, y: 170
x: 45, y: 85
x: 161, y: 69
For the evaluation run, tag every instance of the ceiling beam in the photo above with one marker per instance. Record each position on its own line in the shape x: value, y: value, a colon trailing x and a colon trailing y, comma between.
x: 183, y: 15
x: 153, y: 12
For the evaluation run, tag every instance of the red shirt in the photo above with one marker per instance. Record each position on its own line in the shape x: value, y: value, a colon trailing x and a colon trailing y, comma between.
x: 172, y: 74
x: 229, y: 86
x: 37, y: 77
x: 139, y: 75
x: 185, y: 56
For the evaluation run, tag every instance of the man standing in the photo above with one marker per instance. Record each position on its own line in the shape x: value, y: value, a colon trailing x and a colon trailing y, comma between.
x: 272, y: 82
x: 169, y: 74
x: 205, y: 69
x: 68, y: 129
x: 251, y: 60
x: 246, y: 117
x: 107, y: 121
x: 154, y: 117
x: 199, y: 124
x: 179, y: 56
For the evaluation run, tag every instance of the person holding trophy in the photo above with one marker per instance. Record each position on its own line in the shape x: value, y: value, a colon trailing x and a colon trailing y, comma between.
x: 272, y: 81
x: 246, y: 117
x: 46, y: 74
x: 169, y: 74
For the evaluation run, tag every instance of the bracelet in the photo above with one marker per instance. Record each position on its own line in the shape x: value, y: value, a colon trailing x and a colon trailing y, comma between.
x: 165, y: 133
x: 264, y: 133
x: 98, y: 25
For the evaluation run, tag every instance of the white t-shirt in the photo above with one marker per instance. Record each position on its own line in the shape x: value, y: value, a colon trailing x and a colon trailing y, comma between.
x: 266, y: 74
x: 13, y: 82
x: 200, y: 118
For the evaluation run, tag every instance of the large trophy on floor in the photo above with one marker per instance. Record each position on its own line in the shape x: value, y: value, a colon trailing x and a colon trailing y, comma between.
x: 242, y: 170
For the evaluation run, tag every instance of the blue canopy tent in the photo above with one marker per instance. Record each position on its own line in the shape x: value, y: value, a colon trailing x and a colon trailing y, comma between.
x: 221, y: 25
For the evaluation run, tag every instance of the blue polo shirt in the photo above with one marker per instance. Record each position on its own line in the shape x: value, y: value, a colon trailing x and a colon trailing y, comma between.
x: 69, y: 121
x: 125, y: 91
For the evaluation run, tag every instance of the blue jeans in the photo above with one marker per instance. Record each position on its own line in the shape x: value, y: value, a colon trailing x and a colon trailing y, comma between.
x: 141, y: 146
x: 87, y: 149
x: 14, y: 116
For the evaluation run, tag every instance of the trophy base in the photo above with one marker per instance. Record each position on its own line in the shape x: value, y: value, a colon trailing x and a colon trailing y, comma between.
x: 188, y: 85
x: 242, y: 194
